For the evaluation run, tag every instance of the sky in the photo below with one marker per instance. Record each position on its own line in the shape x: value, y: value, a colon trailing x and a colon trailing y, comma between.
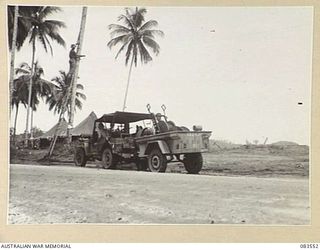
x: 237, y: 71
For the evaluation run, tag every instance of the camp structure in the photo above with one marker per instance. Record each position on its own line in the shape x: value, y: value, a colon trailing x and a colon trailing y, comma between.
x: 84, y: 128
x: 60, y: 129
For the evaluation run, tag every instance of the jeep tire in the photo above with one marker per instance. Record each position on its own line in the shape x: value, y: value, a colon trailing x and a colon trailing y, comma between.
x: 80, y: 158
x: 108, y: 159
x: 193, y: 163
x: 157, y: 162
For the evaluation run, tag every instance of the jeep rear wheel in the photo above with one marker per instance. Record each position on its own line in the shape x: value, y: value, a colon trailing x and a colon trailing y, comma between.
x: 80, y: 158
x: 108, y: 159
x: 157, y: 162
x: 193, y: 163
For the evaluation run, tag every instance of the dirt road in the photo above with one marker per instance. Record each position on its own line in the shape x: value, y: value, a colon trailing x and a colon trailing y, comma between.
x: 65, y: 194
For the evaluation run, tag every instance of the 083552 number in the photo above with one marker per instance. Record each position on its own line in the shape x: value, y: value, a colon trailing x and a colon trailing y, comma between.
x: 309, y: 245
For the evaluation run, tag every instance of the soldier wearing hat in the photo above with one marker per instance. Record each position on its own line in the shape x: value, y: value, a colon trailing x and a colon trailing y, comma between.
x: 162, y: 125
x: 73, y: 57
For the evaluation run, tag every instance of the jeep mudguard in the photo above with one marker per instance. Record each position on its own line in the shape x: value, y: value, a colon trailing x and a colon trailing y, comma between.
x: 162, y: 145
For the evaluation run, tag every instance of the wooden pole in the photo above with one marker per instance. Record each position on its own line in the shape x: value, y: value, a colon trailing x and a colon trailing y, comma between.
x: 75, y: 74
x: 55, y: 136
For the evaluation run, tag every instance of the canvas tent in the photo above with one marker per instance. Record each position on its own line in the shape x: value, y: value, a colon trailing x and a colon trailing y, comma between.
x: 85, y: 127
x: 61, y: 130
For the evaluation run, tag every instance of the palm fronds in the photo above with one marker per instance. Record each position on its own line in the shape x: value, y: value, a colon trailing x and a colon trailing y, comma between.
x: 60, y: 98
x: 42, y: 29
x: 135, y: 35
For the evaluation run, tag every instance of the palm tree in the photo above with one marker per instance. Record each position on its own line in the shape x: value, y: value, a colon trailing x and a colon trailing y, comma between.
x: 60, y: 99
x: 24, y: 24
x: 41, y: 30
x: 134, y: 36
x: 41, y: 88
x: 19, y: 96
x: 18, y: 29
x: 74, y: 74
x: 13, y: 51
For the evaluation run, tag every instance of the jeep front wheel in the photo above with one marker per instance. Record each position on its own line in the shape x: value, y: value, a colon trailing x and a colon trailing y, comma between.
x: 193, y: 163
x: 80, y: 158
x: 157, y: 162
x: 108, y: 159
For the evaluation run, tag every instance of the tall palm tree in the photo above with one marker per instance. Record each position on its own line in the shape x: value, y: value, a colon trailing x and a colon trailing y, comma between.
x: 135, y: 36
x: 41, y: 30
x: 60, y: 99
x: 41, y: 88
x: 18, y: 30
x: 13, y: 51
x: 24, y: 24
x: 74, y: 74
x: 19, y: 96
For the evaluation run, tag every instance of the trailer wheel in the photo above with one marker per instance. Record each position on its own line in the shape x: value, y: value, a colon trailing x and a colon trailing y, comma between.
x: 193, y: 163
x: 157, y: 162
x: 108, y: 159
x: 80, y: 158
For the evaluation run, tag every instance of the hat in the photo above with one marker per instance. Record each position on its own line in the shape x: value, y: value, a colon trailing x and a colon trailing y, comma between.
x: 158, y: 114
x: 73, y: 45
x: 100, y: 125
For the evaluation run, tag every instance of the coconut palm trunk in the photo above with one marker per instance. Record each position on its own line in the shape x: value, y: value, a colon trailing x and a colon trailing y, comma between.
x: 31, y: 122
x: 30, y: 90
x: 75, y: 74
x: 41, y: 29
x: 127, y: 88
x: 15, y: 123
x: 13, y: 51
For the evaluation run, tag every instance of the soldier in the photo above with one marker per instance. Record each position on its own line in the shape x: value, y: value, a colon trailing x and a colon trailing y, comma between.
x: 73, y: 57
x: 102, y: 136
x: 102, y: 132
x: 162, y: 125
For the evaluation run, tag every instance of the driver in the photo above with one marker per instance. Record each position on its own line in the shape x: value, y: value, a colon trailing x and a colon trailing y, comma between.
x: 102, y: 132
x: 102, y: 135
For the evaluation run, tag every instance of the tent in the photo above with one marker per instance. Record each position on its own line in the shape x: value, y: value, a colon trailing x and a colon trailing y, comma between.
x: 61, y: 130
x: 85, y: 128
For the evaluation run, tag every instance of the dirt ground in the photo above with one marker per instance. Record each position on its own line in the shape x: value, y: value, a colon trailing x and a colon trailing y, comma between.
x: 237, y: 185
x: 269, y: 161
x: 67, y: 194
x: 266, y: 161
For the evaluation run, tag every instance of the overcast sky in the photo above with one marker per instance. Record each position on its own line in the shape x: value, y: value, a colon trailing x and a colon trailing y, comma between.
x: 239, y: 72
